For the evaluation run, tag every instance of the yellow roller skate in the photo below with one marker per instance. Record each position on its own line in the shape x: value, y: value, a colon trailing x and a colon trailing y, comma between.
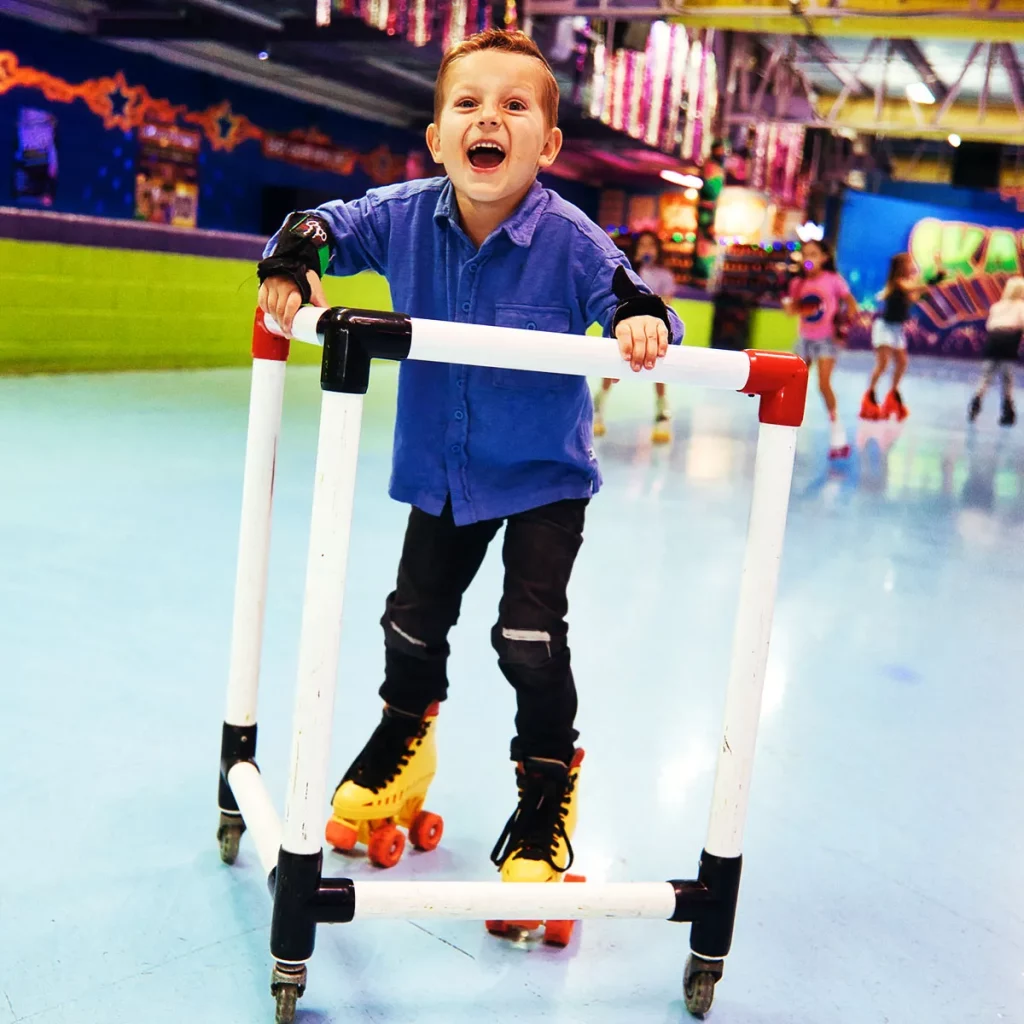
x: 661, y: 433
x: 385, y: 788
x: 536, y: 844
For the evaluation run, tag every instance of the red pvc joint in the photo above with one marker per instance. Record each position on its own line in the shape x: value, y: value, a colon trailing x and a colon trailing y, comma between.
x: 266, y: 345
x: 780, y: 378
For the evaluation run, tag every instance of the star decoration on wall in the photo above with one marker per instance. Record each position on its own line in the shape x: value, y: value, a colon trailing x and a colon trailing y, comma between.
x: 123, y: 106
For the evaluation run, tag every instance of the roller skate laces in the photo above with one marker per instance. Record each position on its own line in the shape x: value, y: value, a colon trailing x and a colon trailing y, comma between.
x: 536, y: 843
x: 385, y: 787
x: 540, y: 828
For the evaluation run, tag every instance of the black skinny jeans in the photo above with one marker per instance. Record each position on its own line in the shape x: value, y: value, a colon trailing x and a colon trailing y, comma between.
x: 439, y: 561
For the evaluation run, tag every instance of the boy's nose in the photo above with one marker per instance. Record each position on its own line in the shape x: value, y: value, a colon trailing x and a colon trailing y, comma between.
x: 488, y: 120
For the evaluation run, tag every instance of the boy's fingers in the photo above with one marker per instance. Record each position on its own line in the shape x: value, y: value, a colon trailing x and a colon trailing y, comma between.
x: 639, y: 346
x: 261, y: 301
x: 662, y: 339
x: 651, y: 337
x: 624, y: 337
x: 291, y: 307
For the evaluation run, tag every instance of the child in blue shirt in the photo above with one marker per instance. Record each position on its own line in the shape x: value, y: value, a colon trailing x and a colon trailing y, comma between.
x: 476, y: 448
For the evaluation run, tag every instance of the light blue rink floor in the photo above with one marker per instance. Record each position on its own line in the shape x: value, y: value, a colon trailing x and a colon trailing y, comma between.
x: 885, y: 845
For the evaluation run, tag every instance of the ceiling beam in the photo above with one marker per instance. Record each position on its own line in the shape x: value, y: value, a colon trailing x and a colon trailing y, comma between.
x: 847, y: 89
x: 820, y: 51
x: 914, y: 56
x: 1013, y: 72
x: 827, y: 19
x: 219, y: 26
x: 958, y: 84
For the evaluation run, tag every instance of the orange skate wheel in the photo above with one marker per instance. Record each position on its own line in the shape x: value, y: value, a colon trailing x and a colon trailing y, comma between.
x: 558, y: 933
x: 497, y: 927
x: 386, y: 846
x: 341, y: 836
x: 426, y: 830
x: 575, y: 878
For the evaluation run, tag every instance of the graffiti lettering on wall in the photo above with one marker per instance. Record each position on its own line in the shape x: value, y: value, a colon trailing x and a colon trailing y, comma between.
x: 128, y: 107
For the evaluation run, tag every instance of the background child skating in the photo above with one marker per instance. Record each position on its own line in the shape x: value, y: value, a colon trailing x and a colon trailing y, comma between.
x: 646, y: 258
x: 1005, y: 328
x: 818, y: 297
x: 478, y: 449
x: 888, y: 333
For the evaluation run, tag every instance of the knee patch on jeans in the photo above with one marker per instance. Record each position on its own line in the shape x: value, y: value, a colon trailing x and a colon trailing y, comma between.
x: 532, y: 648
x: 399, y: 639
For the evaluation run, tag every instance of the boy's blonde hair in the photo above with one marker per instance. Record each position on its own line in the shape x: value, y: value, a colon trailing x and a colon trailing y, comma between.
x: 506, y: 42
x: 1014, y: 288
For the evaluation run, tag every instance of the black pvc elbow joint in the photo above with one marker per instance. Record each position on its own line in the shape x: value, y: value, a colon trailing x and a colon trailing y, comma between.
x: 354, y: 337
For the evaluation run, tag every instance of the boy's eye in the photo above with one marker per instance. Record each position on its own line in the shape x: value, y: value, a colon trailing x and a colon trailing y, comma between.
x: 516, y: 105
x: 465, y: 102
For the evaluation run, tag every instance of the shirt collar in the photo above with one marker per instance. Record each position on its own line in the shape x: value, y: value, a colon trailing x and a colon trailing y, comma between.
x: 519, y: 227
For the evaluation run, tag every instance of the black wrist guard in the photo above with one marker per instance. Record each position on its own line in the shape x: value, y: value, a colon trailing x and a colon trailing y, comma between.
x: 303, y: 245
x: 633, y: 302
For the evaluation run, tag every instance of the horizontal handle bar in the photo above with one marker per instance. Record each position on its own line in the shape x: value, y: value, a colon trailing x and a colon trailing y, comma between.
x: 514, y: 901
x: 512, y: 348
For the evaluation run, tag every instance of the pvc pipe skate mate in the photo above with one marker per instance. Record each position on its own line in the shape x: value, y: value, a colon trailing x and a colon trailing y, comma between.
x: 302, y: 896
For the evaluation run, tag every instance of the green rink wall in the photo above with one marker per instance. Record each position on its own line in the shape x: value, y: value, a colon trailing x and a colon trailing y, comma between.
x: 76, y: 308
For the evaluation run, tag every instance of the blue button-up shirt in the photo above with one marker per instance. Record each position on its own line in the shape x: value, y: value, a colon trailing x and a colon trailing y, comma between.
x: 497, y: 441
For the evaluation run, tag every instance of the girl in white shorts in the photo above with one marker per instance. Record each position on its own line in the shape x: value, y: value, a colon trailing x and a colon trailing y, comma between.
x: 888, y: 335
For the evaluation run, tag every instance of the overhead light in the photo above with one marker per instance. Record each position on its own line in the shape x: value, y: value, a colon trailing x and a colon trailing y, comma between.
x: 954, y: 140
x: 263, y: 55
x: 920, y: 93
x: 686, y: 180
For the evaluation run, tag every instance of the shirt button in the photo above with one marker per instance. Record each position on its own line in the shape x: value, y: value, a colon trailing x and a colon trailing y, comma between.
x: 531, y: 326
x: 456, y: 448
x: 462, y: 383
x: 465, y: 307
x: 472, y: 270
x: 458, y: 414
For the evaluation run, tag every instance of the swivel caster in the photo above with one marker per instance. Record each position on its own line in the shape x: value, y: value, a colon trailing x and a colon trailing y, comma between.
x: 229, y: 832
x: 699, y: 980
x: 287, y: 984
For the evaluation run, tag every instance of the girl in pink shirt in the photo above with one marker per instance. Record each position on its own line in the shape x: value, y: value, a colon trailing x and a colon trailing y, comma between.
x: 822, y: 300
x: 646, y: 260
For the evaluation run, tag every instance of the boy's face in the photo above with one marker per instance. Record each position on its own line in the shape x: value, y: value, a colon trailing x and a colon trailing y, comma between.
x: 492, y: 136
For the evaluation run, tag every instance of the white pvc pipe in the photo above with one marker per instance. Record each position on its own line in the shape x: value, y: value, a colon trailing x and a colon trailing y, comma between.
x: 303, y: 326
x: 258, y: 812
x: 265, y: 401
x: 330, y: 526
x: 773, y: 474
x: 512, y: 348
x: 515, y: 901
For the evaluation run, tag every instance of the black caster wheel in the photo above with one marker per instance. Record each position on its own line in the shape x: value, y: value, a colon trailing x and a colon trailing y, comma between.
x: 287, y: 984
x: 229, y: 833
x: 699, y: 980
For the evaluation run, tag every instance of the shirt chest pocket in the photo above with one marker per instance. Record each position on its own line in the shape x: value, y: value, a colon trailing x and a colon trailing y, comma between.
x: 532, y: 318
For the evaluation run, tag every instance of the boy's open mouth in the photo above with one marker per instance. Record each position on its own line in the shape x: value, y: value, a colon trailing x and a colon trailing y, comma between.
x: 485, y: 156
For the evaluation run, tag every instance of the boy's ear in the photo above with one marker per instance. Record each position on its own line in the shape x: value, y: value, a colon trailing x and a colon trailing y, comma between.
x: 552, y: 147
x: 434, y: 142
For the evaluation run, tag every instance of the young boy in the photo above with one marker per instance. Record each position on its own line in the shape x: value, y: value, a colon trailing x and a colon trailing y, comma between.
x: 474, y: 447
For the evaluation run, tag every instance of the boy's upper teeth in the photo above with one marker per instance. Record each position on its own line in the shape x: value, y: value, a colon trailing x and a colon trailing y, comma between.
x: 487, y: 145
